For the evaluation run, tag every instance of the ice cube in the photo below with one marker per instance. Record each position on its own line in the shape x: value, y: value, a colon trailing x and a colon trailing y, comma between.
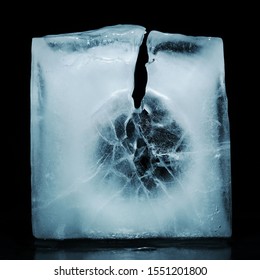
x: 102, y: 168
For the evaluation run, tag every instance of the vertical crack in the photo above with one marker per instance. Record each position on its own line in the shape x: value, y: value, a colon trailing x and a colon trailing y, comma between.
x: 140, y: 75
x: 145, y: 144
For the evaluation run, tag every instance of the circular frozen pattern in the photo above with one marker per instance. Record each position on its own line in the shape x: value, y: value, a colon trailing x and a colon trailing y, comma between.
x: 145, y: 152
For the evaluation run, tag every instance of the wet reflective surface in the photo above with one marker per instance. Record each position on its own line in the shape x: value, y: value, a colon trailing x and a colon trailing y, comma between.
x: 156, y: 249
x: 139, y: 249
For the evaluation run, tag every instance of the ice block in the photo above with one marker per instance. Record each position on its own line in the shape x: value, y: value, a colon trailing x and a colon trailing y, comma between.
x: 102, y: 168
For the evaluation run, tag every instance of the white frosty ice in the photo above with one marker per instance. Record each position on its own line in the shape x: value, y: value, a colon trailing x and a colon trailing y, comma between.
x: 187, y: 74
x: 101, y: 168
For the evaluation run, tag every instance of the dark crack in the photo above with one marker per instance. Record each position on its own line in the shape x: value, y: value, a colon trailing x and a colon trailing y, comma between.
x: 142, y: 149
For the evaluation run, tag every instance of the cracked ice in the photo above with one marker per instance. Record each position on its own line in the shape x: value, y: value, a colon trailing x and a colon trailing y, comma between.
x: 102, y: 168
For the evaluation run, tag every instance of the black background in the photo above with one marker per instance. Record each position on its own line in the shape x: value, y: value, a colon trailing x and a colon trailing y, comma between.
x: 240, y: 51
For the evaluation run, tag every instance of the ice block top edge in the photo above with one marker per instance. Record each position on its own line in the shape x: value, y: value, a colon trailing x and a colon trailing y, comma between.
x: 179, y: 43
x: 69, y: 42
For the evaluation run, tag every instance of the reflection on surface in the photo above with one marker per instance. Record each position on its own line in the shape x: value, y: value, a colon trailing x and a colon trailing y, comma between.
x: 141, y: 249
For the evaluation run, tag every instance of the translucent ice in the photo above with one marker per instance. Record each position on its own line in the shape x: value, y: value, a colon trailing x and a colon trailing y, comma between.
x: 102, y: 168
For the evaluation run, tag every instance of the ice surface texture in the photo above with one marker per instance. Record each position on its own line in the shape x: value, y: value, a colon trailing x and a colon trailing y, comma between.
x: 102, y: 168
